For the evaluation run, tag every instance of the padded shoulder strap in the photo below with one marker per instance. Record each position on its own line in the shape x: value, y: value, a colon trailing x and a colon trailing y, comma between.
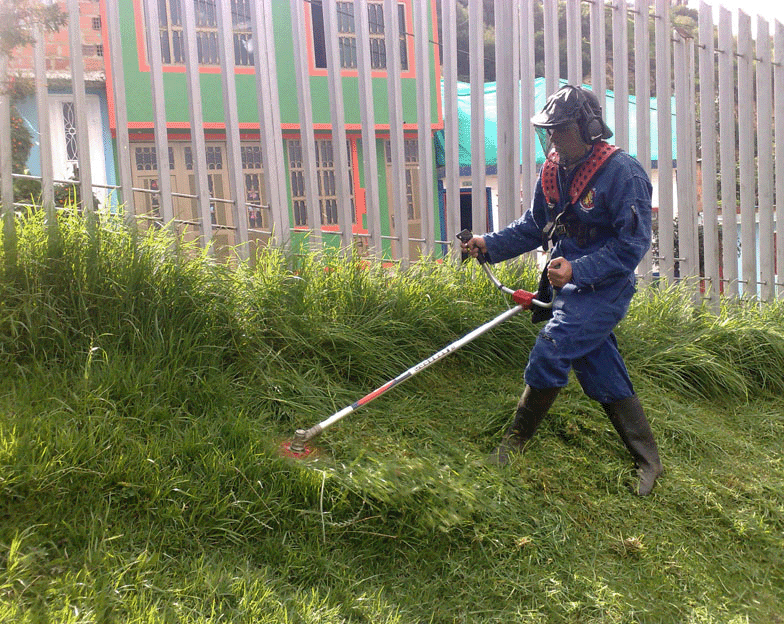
x: 601, y: 153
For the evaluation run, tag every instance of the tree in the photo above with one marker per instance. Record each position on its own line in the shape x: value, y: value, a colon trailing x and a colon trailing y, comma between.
x: 18, y: 19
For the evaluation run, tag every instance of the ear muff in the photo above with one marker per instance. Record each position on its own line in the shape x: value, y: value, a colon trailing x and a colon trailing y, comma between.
x: 591, y: 125
x: 594, y: 129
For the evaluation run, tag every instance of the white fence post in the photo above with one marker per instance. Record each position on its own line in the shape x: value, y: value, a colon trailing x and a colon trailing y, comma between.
x: 778, y: 89
x: 748, y: 226
x: 642, y: 90
x: 766, y: 275
x: 451, y: 125
x: 508, y: 141
x: 478, y: 177
x: 663, y: 35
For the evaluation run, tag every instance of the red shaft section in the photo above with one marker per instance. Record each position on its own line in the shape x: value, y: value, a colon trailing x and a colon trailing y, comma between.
x: 523, y: 298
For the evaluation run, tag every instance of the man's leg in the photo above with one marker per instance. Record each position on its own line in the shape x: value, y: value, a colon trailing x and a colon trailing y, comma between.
x: 603, y: 376
x: 531, y: 409
x: 628, y: 418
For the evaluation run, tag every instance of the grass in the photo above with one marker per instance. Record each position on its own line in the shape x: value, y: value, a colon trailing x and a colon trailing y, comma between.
x: 145, y: 390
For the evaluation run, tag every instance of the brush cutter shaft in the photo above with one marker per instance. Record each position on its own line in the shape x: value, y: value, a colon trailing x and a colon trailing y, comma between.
x: 524, y: 300
x: 317, y: 429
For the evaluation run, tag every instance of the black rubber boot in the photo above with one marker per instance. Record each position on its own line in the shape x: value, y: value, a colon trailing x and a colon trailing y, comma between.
x: 628, y: 418
x: 531, y: 409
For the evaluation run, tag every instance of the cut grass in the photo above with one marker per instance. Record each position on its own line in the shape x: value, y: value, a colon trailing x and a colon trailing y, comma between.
x: 145, y: 390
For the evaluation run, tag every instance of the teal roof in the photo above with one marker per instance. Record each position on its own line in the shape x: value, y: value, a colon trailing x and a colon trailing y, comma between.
x: 491, y: 123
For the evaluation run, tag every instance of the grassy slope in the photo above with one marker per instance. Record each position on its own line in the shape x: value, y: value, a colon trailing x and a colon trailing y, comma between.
x: 143, y: 399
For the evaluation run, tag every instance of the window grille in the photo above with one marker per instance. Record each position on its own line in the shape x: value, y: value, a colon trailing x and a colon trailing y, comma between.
x: 347, y: 37
x: 170, y: 20
x: 411, y: 153
x: 69, y: 126
x: 327, y: 188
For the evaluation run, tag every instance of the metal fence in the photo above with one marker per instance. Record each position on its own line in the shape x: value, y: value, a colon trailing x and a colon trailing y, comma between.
x: 717, y: 197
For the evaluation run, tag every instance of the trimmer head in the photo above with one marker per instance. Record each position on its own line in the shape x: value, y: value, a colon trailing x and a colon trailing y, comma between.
x: 296, y: 448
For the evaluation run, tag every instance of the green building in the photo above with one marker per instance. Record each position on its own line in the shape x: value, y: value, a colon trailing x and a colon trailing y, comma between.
x: 136, y: 67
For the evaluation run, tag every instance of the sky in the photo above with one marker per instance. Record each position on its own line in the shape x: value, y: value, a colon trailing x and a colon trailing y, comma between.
x: 769, y: 9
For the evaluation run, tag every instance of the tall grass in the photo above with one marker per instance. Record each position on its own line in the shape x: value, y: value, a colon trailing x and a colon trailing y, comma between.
x: 146, y: 387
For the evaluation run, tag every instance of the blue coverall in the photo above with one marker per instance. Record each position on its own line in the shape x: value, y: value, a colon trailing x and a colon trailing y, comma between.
x: 579, y: 336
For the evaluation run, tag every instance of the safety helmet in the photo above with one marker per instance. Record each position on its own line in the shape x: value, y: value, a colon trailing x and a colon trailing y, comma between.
x: 576, y: 104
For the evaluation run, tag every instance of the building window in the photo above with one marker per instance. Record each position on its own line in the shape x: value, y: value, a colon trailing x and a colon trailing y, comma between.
x: 97, y: 23
x: 297, y: 176
x: 147, y: 158
x: 327, y: 189
x: 411, y: 151
x: 347, y: 38
x: 170, y: 18
x: 253, y: 171
x: 146, y: 176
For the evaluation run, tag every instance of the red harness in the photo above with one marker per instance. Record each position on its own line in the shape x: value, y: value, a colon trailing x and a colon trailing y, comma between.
x: 601, y: 153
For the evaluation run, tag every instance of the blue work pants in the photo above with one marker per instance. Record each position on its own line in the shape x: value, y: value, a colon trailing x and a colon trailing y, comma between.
x: 580, y: 336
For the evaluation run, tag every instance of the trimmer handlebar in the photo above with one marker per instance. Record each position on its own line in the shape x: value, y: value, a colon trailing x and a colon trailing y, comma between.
x: 465, y: 236
x: 521, y: 297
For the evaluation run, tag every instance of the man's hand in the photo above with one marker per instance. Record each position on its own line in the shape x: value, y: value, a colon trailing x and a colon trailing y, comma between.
x: 474, y: 246
x: 559, y: 272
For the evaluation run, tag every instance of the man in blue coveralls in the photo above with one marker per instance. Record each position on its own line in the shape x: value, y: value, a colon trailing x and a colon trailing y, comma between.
x: 592, y: 204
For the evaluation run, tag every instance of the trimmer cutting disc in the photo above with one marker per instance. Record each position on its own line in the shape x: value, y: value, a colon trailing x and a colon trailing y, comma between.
x: 286, y: 451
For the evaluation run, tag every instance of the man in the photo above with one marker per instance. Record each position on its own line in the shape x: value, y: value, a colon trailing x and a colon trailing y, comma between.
x: 592, y: 204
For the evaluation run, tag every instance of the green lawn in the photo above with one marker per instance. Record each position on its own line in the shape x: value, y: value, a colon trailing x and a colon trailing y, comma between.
x: 145, y: 391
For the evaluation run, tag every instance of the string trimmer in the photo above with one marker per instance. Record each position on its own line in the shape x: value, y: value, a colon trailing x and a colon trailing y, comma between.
x: 298, y: 448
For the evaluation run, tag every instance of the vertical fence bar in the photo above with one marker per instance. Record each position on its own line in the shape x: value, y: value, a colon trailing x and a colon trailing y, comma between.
x: 80, y: 104
x: 508, y: 122
x: 158, y: 109
x: 6, y: 165
x: 748, y: 243
x: 270, y: 133
x: 642, y: 89
x: 451, y: 128
x: 663, y: 43
x: 368, y: 122
x: 729, y: 203
x: 708, y: 147
x: 125, y: 201
x: 305, y: 109
x: 765, y: 161
x: 552, y: 62
x: 692, y: 161
x: 44, y: 133
x: 195, y: 113
x: 621, y: 73
x: 574, y: 41
x: 396, y: 141
x: 424, y: 135
x: 598, y: 52
x: 778, y: 90
x: 338, y: 119
x: 688, y: 262
x: 527, y: 105
x: 478, y: 171
x: 231, y: 116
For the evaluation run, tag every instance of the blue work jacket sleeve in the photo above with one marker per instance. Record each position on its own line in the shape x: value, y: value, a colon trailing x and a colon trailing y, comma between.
x: 522, y: 235
x: 629, y: 206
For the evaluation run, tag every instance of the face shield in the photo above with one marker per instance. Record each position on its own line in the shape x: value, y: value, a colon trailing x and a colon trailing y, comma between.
x: 566, y: 141
x: 545, y: 136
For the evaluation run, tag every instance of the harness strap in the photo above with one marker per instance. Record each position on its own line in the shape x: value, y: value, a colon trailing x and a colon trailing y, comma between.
x: 602, y: 151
